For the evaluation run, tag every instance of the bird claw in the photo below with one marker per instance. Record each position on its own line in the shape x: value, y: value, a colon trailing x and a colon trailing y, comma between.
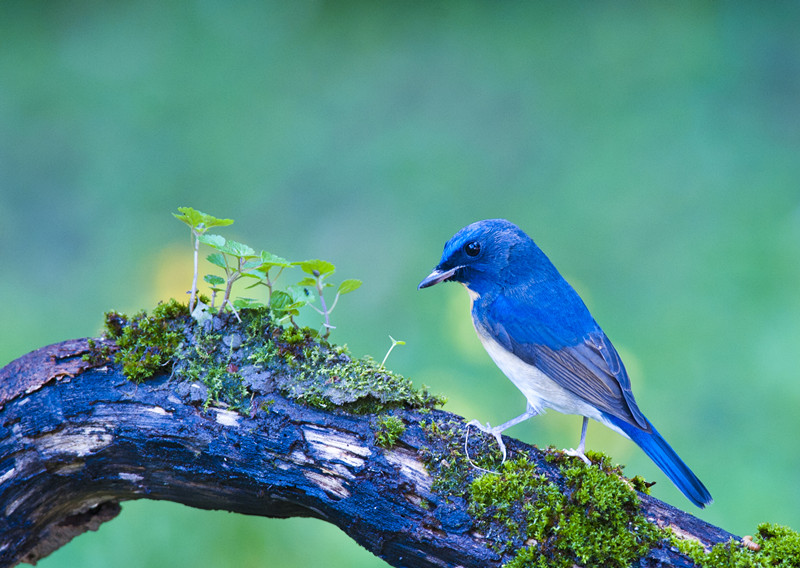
x: 487, y: 429
x: 578, y: 454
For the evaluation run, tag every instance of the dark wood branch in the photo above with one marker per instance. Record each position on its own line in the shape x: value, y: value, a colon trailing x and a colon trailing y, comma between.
x: 77, y: 441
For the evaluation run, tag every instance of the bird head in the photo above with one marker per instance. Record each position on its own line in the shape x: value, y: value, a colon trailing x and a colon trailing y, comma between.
x: 484, y: 254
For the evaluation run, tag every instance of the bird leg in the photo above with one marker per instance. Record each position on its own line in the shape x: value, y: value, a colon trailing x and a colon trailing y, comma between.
x: 579, y: 452
x: 497, y: 431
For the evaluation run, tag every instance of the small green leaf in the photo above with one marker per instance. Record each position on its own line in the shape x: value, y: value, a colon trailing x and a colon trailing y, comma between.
x: 267, y: 262
x: 299, y: 294
x: 321, y: 266
x: 216, y: 222
x: 280, y: 299
x: 349, y: 285
x: 267, y: 258
x: 237, y: 249
x: 214, y: 280
x: 217, y: 259
x: 191, y: 217
x: 251, y: 265
x: 286, y: 303
x: 241, y: 303
x: 199, y: 220
x: 307, y: 282
x: 214, y: 241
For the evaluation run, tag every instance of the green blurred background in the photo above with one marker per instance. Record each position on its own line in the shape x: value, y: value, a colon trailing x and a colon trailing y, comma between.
x: 652, y: 150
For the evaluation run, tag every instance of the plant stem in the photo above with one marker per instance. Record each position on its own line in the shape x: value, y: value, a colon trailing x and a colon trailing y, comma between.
x: 325, y: 310
x: 226, y: 298
x: 194, y: 278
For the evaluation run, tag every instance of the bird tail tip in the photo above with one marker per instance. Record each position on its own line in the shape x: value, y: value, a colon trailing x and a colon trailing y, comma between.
x: 658, y: 450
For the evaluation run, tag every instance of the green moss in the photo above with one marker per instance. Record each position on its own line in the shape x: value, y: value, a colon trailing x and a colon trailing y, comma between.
x: 777, y: 546
x: 444, y: 456
x: 388, y: 430
x: 258, y: 321
x: 355, y: 385
x: 565, y: 513
x: 640, y: 484
x: 604, y: 525
x: 115, y: 323
x: 560, y: 513
x: 325, y: 376
x: 691, y: 548
x: 520, y: 500
x: 729, y: 555
x: 780, y: 546
x: 224, y: 383
x: 147, y: 344
x: 99, y: 354
x: 595, y: 521
x: 225, y: 353
x: 205, y: 358
x: 295, y: 336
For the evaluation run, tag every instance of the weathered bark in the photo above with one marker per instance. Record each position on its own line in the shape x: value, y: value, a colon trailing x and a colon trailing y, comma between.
x: 76, y: 441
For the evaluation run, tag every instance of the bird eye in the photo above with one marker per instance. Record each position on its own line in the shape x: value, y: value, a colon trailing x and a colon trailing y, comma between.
x: 472, y: 248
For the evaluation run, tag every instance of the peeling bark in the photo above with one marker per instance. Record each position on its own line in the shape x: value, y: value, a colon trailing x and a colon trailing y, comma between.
x: 76, y: 441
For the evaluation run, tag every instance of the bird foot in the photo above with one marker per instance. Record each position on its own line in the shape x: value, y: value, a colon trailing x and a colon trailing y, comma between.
x: 578, y: 454
x: 496, y: 432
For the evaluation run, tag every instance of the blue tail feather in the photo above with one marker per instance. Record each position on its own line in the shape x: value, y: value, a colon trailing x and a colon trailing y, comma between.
x: 658, y: 450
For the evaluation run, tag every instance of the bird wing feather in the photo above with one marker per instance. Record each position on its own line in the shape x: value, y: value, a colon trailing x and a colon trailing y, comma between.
x: 586, y: 364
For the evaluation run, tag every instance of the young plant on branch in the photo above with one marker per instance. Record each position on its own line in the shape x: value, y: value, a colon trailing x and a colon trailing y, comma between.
x: 235, y: 258
x: 319, y: 271
x: 395, y: 343
x: 287, y: 303
x: 199, y: 223
x: 215, y: 282
x: 238, y: 260
x: 262, y: 272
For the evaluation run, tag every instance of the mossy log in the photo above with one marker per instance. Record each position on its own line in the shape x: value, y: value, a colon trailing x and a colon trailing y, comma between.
x: 78, y: 438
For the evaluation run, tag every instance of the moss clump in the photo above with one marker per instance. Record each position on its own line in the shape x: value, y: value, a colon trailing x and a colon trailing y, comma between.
x: 780, y: 546
x: 295, y: 336
x: 641, y: 485
x: 445, y: 458
x: 595, y: 521
x: 519, y: 502
x: 99, y: 353
x: 603, y: 522
x: 562, y: 513
x: 388, y: 430
x: 777, y: 546
x: 327, y: 378
x: 224, y: 382
x: 236, y: 359
x: 555, y: 512
x: 147, y: 344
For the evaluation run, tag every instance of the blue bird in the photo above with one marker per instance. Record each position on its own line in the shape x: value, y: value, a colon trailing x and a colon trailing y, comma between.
x: 541, y: 335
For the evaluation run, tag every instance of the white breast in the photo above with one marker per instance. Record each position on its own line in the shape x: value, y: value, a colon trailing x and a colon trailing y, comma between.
x: 541, y: 391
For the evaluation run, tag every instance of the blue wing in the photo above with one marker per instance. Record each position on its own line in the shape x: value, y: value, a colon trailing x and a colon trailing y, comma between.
x: 551, y: 329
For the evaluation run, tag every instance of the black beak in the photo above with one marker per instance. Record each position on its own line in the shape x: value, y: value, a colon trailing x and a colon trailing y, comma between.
x: 437, y: 276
